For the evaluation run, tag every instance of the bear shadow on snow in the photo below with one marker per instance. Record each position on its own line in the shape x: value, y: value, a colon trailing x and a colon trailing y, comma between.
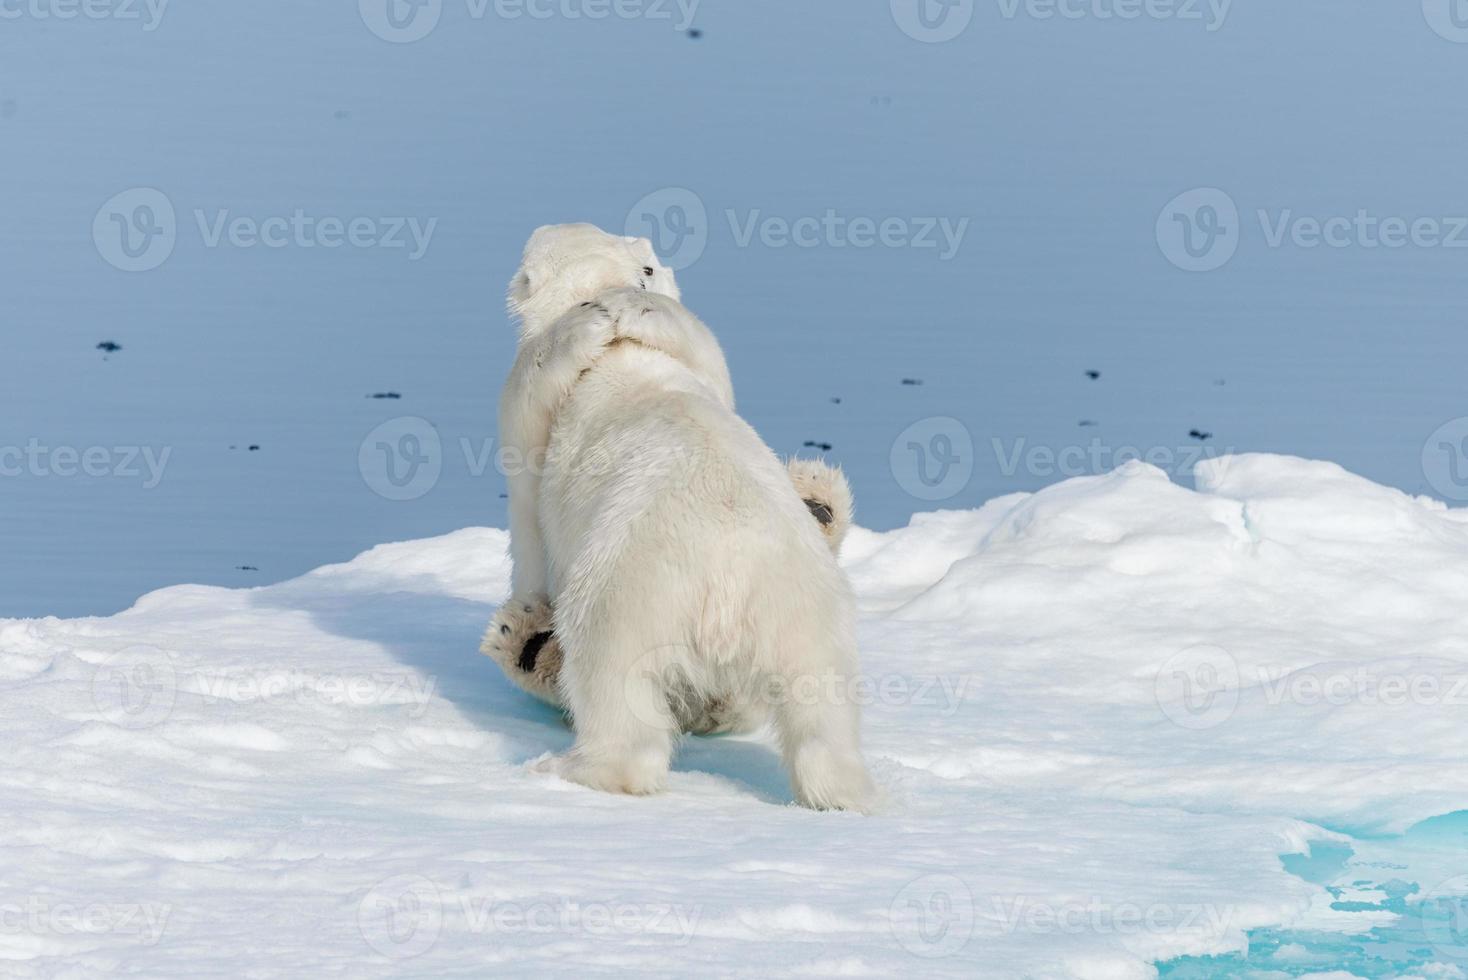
x: 438, y: 636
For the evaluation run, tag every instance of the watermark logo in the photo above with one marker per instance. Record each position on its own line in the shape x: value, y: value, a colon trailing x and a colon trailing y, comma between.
x: 933, y: 917
x: 675, y: 220
x: 1099, y: 917
x: 1212, y: 14
x: 1449, y: 18
x: 1445, y: 460
x: 135, y: 688
x: 1198, y: 688
x: 406, y: 21
x: 37, y: 916
x: 1096, y: 457
x: 136, y: 230
x: 148, y: 12
x: 933, y: 21
x: 1339, y: 688
x: 1199, y: 231
x: 1445, y: 918
x: 401, y: 459
x: 401, y: 21
x: 933, y: 459
x: 401, y: 917
x: 36, y: 459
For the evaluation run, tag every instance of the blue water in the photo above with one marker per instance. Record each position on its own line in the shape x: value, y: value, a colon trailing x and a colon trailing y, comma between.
x: 1417, y: 877
x: 1058, y: 140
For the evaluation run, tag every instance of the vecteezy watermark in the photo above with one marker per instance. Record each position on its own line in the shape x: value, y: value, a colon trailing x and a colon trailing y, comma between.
x: 1201, y: 230
x: 662, y: 676
x: 1099, y: 917
x: 1198, y: 230
x: 933, y: 21
x: 933, y: 916
x: 1364, y: 685
x: 137, y: 230
x: 401, y: 459
x: 1198, y: 688
x: 1449, y: 18
x: 404, y: 459
x: 403, y: 917
x: 409, y: 689
x: 1444, y: 912
x: 148, y: 13
x: 1096, y: 457
x: 676, y: 221
x: 36, y: 459
x: 136, y: 687
x: 406, y: 21
x: 1445, y: 460
x: 936, y: 21
x: 37, y: 916
x: 933, y: 459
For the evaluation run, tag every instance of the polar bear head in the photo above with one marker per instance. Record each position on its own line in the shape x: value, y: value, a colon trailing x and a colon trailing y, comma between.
x: 567, y: 265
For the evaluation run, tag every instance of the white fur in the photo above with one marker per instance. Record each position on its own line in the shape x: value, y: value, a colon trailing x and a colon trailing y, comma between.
x: 679, y: 558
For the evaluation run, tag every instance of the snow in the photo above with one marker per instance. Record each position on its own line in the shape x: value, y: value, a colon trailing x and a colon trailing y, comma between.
x: 1091, y: 710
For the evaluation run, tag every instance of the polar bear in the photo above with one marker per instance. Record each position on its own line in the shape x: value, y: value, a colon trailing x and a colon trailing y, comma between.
x: 680, y: 561
x: 521, y: 638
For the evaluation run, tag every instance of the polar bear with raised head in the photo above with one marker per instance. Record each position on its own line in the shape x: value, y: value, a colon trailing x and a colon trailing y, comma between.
x: 681, y: 564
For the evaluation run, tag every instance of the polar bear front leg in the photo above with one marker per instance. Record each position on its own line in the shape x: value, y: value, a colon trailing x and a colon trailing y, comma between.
x: 546, y: 369
x: 664, y: 324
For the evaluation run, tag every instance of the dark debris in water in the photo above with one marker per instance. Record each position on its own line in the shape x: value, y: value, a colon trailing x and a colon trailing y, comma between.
x: 255, y: 448
x: 246, y: 568
x: 1094, y: 375
x: 912, y: 382
x: 1089, y: 424
x: 393, y: 395
x: 109, y: 347
x: 824, y: 447
x: 835, y: 401
x: 1200, y: 435
x: 695, y: 33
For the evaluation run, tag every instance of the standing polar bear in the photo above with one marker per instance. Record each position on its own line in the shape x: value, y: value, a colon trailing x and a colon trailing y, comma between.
x: 680, y: 561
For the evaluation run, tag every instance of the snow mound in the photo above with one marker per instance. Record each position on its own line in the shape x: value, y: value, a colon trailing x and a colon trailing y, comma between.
x: 1101, y: 713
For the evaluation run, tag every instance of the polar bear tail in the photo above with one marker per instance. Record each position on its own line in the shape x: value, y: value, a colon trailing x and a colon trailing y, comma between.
x: 828, y: 496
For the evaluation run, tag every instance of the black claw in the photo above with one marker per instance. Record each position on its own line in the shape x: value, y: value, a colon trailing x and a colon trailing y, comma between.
x: 505, y: 629
x: 531, y: 653
x: 821, y: 512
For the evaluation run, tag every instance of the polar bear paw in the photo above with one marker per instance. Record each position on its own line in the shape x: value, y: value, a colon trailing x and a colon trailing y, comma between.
x: 521, y: 640
x: 636, y: 770
x: 827, y: 496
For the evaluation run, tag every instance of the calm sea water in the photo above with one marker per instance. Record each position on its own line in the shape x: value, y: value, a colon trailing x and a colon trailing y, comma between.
x: 1046, y: 148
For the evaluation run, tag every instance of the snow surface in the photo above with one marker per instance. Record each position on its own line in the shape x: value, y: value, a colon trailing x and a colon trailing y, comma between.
x: 1090, y: 713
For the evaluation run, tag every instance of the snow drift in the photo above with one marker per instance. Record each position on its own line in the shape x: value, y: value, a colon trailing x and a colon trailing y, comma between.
x: 1101, y: 714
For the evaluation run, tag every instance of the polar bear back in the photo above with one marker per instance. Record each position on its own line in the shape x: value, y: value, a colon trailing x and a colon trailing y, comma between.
x: 657, y: 494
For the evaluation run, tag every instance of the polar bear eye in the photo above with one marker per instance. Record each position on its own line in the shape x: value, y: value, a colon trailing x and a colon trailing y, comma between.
x: 648, y: 270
